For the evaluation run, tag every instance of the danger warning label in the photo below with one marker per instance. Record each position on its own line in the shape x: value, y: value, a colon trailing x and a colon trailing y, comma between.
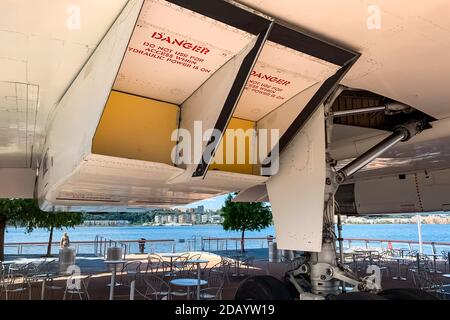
x: 267, y: 85
x: 173, y: 50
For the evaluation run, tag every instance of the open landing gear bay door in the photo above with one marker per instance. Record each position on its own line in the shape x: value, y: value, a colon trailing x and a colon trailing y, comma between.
x: 169, y: 67
x: 297, y: 168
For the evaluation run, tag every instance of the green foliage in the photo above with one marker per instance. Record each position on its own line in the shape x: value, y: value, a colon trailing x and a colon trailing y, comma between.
x: 16, y: 212
x: 57, y: 220
x: 241, y: 216
x: 26, y: 213
x: 132, y: 217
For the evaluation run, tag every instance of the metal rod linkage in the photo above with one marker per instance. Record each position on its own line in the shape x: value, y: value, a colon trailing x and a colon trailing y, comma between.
x: 352, y: 112
x: 401, y: 133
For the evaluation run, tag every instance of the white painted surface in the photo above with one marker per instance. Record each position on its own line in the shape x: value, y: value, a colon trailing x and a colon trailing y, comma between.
x: 174, y: 50
x: 405, y: 59
x: 256, y: 193
x: 206, y: 104
x: 38, y: 50
x: 282, y: 117
x: 280, y: 73
x: 296, y: 193
x: 17, y: 182
x: 18, y: 110
x: 70, y: 135
x: 393, y: 195
x: 103, y: 181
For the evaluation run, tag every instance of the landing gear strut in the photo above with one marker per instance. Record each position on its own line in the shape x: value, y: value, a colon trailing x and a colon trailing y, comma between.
x: 325, y: 271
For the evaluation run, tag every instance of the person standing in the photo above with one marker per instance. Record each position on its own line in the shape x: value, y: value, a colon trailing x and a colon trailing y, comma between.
x: 141, y: 245
x: 65, y: 241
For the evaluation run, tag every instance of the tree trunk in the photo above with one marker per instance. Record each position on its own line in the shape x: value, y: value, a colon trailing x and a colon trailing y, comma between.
x: 243, y: 240
x: 2, y: 240
x: 50, y: 239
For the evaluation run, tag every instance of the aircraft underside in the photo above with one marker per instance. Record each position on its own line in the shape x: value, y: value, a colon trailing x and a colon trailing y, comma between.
x: 174, y: 102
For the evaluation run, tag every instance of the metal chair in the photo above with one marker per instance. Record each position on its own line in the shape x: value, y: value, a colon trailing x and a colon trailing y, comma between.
x: 2, y: 276
x: 248, y: 263
x: 381, y: 260
x: 180, y: 261
x: 226, y: 266
x: 155, y: 264
x: 179, y: 265
x: 129, y: 272
x: 441, y: 259
x: 428, y: 282
x: 195, y: 256
x: 79, y: 288
x: 446, y: 259
x: 177, y: 291
x: 155, y: 287
x: 421, y: 264
x: 45, y: 271
x: 216, y: 281
x: 15, y: 282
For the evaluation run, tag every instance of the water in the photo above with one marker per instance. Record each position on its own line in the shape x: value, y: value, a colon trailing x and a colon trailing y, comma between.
x: 189, y: 233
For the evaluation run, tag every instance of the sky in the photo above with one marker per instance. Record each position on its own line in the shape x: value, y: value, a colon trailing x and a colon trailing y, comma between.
x: 212, y: 203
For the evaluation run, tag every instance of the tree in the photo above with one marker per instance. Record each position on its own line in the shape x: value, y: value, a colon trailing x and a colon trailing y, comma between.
x: 242, y: 216
x: 26, y: 213
x: 12, y: 212
x: 51, y: 221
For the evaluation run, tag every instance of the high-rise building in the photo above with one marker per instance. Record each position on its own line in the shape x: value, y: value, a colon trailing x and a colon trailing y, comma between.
x: 204, y: 218
x: 195, y: 218
x: 184, y: 218
x: 200, y: 209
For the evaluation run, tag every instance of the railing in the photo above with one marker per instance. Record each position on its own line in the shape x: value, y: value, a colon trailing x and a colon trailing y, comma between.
x: 23, y: 247
x: 430, y: 247
x: 100, y: 244
x: 227, y: 244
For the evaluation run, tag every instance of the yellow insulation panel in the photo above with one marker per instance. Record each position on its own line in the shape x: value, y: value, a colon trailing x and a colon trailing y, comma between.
x: 236, y: 149
x: 136, y: 128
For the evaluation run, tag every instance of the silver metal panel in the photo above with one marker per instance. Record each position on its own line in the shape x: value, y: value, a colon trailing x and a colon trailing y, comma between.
x: 296, y: 192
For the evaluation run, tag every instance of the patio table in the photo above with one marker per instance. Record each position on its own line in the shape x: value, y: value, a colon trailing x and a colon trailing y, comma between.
x: 198, y: 262
x: 187, y: 282
x: 112, y: 284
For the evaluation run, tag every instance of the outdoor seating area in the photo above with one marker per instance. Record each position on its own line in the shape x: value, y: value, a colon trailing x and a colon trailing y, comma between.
x: 21, y: 278
x: 198, y: 275
x: 164, y: 276
x: 188, y: 275
x: 429, y: 272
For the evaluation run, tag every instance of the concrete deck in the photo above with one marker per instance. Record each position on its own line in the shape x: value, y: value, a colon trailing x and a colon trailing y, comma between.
x: 99, y: 290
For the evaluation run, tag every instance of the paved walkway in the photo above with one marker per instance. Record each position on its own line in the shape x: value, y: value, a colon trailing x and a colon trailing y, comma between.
x: 98, y: 288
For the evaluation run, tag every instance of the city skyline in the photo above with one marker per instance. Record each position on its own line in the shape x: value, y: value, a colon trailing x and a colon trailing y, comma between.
x: 215, y: 203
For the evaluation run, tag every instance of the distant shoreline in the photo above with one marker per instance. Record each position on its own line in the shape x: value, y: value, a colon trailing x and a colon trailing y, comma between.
x: 140, y: 225
x: 218, y: 224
